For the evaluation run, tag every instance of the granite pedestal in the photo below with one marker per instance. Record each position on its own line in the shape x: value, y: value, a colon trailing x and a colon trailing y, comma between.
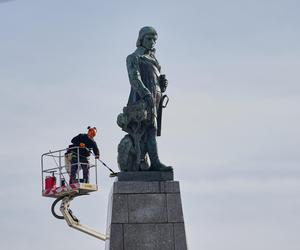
x: 145, y: 213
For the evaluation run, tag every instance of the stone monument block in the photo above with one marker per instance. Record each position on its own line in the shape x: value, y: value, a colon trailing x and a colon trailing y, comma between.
x: 148, y: 236
x: 147, y: 208
x: 145, y: 215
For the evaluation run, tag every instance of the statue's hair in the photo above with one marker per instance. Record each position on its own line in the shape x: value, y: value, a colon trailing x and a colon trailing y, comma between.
x: 145, y: 31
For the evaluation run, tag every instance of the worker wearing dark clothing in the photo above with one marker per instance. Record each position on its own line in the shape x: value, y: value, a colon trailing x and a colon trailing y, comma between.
x: 85, y: 142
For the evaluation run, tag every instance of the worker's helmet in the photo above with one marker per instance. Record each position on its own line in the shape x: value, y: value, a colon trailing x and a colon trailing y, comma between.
x: 92, y: 131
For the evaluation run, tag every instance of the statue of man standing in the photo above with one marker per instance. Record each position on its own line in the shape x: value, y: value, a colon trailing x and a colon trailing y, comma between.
x: 147, y: 86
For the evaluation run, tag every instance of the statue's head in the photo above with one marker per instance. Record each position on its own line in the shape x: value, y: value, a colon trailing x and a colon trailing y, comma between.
x: 147, y: 38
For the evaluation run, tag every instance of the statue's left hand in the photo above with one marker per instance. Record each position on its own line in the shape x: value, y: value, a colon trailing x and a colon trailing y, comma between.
x: 163, y: 83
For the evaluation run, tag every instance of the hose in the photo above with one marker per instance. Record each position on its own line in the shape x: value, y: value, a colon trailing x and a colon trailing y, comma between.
x: 53, y: 208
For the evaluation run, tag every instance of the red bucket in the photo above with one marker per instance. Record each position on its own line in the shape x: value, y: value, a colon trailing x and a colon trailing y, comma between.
x: 50, y: 182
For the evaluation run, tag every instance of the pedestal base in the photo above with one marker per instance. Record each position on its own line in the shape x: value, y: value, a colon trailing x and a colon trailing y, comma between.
x: 146, y: 176
x: 145, y: 215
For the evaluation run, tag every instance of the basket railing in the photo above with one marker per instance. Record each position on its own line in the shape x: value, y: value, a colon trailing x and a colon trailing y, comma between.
x: 62, y: 166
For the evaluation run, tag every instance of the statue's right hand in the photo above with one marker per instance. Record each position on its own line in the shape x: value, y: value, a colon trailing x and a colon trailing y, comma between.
x: 149, y: 100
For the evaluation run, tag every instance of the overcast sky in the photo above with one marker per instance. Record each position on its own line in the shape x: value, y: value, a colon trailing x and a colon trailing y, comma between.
x: 231, y: 129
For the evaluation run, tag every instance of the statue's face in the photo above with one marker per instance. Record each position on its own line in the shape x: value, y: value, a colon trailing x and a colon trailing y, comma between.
x: 149, y: 41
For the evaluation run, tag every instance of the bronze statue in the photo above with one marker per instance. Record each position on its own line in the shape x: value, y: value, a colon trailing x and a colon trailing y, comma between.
x: 141, y: 118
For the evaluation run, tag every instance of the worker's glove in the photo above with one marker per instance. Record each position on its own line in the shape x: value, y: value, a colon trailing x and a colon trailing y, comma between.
x: 97, y: 156
x: 82, y: 145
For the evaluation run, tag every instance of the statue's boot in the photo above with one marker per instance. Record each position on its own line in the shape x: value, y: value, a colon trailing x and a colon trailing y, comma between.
x: 156, y: 165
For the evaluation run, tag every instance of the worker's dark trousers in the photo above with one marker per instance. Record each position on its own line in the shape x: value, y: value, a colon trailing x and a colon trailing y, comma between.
x: 85, y: 170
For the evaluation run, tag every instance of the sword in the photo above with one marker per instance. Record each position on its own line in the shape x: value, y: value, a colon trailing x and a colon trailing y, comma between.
x: 162, y: 104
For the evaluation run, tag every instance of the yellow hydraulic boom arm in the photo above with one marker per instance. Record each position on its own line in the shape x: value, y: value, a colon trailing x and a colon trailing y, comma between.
x: 74, y: 223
